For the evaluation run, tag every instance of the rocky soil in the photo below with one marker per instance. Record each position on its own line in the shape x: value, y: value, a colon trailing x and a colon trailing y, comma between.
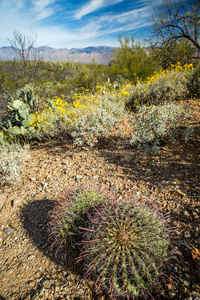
x: 29, y: 268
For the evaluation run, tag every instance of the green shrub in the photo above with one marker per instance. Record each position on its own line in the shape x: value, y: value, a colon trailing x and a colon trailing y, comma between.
x: 132, y: 60
x: 87, y: 118
x: 88, y: 129
x: 193, y: 82
x: 125, y: 247
x: 164, y: 86
x: 154, y: 123
x: 12, y: 158
x: 69, y: 213
x: 90, y: 126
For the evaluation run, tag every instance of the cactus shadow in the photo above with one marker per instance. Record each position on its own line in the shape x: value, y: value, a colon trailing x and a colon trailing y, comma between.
x: 36, y: 217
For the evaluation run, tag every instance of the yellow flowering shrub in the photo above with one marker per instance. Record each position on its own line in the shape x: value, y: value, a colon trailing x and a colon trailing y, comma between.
x: 162, y: 86
x: 60, y: 115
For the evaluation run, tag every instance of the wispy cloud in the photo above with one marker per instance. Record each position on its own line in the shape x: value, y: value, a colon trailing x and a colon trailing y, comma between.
x: 43, y: 9
x: 94, y: 5
x: 124, y: 22
x: 58, y: 27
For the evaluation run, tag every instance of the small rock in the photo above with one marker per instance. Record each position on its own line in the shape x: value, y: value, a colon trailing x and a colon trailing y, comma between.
x: 30, y: 257
x: 81, y: 291
x: 113, y: 187
x: 31, y: 284
x: 69, y: 277
x: 186, y: 283
x: 188, y: 188
x: 46, y: 294
x: 42, y: 292
x: 46, y: 281
x: 182, y: 290
x: 188, y: 279
x: 195, y: 254
x: 186, y: 214
x: 187, y: 235
x: 8, y: 230
x: 178, y: 193
x: 172, y: 294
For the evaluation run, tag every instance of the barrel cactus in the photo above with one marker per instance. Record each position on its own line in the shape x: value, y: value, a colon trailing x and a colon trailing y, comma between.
x: 68, y: 215
x: 125, y: 247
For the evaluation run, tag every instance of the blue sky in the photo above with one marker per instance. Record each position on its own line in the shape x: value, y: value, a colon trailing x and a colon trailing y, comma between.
x: 75, y: 23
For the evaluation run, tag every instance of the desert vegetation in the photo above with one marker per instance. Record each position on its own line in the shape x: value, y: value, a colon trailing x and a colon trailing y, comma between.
x: 125, y: 246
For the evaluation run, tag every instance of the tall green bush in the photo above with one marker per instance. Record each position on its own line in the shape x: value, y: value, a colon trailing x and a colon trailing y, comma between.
x: 133, y: 60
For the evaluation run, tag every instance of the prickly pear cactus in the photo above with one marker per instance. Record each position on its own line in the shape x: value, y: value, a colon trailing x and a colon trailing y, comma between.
x: 7, y: 97
x: 27, y: 96
x: 19, y: 113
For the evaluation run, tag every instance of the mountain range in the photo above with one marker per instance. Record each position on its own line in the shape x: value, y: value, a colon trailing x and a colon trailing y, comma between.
x: 100, y: 54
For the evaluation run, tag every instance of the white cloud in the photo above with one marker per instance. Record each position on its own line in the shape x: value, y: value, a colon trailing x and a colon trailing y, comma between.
x: 119, y: 23
x: 42, y: 10
x: 29, y: 16
x: 42, y: 4
x: 94, y: 5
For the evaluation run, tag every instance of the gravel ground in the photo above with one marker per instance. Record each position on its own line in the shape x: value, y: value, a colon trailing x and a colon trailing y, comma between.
x: 29, y: 268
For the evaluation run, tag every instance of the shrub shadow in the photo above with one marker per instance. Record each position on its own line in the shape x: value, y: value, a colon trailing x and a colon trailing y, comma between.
x: 176, y: 161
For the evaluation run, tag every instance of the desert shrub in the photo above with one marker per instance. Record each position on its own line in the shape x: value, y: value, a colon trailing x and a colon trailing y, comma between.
x: 154, y: 123
x: 52, y: 118
x: 193, y: 82
x: 164, y: 86
x: 12, y: 157
x: 131, y: 60
x: 87, y: 117
x: 107, y: 109
x: 69, y: 213
x: 125, y: 247
x: 88, y: 128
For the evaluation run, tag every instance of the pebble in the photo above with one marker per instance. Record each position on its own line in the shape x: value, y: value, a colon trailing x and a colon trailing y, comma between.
x: 187, y: 235
x: 32, y: 284
x: 182, y: 290
x: 8, y: 230
x: 172, y: 294
x: 186, y: 214
x: 113, y: 187
x: 35, y: 269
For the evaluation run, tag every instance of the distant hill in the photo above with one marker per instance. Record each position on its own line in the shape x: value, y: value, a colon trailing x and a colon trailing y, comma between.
x: 100, y: 54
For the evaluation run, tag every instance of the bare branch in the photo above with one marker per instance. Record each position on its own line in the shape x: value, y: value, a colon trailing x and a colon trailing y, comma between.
x: 173, y: 21
x: 27, y: 60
